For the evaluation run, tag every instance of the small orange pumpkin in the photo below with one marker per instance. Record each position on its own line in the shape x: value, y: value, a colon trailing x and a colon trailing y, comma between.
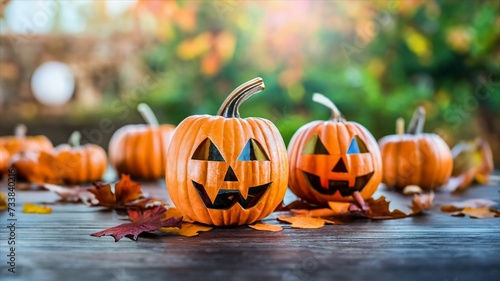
x: 75, y: 163
x: 19, y: 142
x: 225, y: 170
x: 69, y: 164
x: 140, y: 150
x: 332, y: 160
x: 415, y: 158
x: 4, y: 160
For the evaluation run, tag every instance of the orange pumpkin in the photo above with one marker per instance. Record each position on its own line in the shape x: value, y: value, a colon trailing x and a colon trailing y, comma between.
x: 78, y: 164
x: 69, y: 164
x: 225, y: 170
x: 22, y: 143
x: 334, y: 159
x: 140, y: 150
x: 415, y: 158
x: 4, y: 160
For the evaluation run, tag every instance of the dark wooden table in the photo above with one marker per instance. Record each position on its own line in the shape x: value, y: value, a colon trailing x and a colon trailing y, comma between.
x: 434, y: 246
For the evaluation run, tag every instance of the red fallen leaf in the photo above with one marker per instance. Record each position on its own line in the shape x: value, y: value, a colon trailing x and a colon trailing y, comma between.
x: 142, y: 221
x: 126, y: 191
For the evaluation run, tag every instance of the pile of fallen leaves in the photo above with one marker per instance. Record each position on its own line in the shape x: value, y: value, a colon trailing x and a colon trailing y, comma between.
x: 146, y: 213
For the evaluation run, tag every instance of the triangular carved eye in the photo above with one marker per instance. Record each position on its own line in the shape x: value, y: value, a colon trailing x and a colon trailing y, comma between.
x: 315, y: 146
x: 208, y: 151
x: 357, y: 146
x: 253, y: 152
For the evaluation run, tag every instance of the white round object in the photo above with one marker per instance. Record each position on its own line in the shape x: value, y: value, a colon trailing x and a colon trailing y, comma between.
x: 53, y: 83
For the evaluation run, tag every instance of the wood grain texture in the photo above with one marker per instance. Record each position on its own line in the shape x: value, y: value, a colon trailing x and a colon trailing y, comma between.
x: 435, y: 246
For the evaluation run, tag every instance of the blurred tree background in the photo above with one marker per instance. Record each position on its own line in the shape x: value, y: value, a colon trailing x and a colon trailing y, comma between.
x: 377, y: 60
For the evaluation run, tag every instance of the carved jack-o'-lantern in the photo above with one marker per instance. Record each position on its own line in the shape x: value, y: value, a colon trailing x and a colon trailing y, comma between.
x: 331, y: 160
x: 225, y: 170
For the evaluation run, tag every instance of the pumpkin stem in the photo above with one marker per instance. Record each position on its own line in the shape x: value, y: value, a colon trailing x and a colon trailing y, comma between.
x: 417, y: 121
x: 75, y: 138
x: 400, y: 126
x: 20, y: 131
x: 148, y: 115
x: 321, y: 99
x: 230, y: 106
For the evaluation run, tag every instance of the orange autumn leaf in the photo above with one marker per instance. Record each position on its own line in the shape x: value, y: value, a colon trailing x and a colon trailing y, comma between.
x: 30, y: 208
x: 303, y: 222
x: 126, y: 192
x: 339, y: 208
x: 187, y: 229
x: 379, y: 210
x: 480, y: 213
x: 266, y: 227
x: 211, y: 64
x: 421, y: 202
x: 174, y: 212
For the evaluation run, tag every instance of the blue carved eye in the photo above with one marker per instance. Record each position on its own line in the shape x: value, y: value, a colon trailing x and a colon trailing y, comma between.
x: 357, y: 146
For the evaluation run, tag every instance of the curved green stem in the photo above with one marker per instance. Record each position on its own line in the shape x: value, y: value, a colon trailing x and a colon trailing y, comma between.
x: 417, y: 122
x: 148, y: 115
x: 230, y: 106
x: 321, y: 99
x: 75, y: 138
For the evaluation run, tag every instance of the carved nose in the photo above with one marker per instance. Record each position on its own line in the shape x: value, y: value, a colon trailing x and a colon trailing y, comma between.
x: 230, y: 175
x: 340, y: 167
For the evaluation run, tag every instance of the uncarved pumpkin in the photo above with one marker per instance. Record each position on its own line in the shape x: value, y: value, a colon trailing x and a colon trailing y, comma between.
x: 140, y: 150
x: 334, y: 159
x: 19, y: 142
x: 415, y: 158
x: 75, y: 163
x: 225, y: 170
x: 4, y: 160
x: 66, y: 164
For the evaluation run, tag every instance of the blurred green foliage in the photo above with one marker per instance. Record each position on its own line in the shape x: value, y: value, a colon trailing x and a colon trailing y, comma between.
x: 377, y: 61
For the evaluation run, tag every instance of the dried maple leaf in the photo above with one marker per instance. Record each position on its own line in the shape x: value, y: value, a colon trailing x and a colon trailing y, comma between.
x: 303, y: 222
x: 379, y: 210
x: 187, y: 229
x: 295, y: 205
x: 30, y: 208
x: 472, y: 161
x: 480, y: 213
x: 471, y: 203
x: 3, y: 201
x: 339, y: 208
x: 142, y: 221
x: 266, y: 227
x: 421, y: 202
x: 75, y: 194
x: 125, y: 193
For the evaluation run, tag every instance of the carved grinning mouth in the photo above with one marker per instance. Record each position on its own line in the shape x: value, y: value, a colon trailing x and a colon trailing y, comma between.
x: 338, y: 185
x: 226, y: 198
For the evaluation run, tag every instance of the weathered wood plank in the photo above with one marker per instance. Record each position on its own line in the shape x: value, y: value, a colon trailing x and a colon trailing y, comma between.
x: 435, y: 246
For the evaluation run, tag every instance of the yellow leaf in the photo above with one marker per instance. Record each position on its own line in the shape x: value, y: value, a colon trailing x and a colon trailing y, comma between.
x: 479, y: 213
x: 195, y: 47
x: 187, y: 229
x: 303, y: 222
x: 30, y: 208
x: 339, y: 208
x: 3, y: 202
x: 266, y: 227
x: 324, y: 212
